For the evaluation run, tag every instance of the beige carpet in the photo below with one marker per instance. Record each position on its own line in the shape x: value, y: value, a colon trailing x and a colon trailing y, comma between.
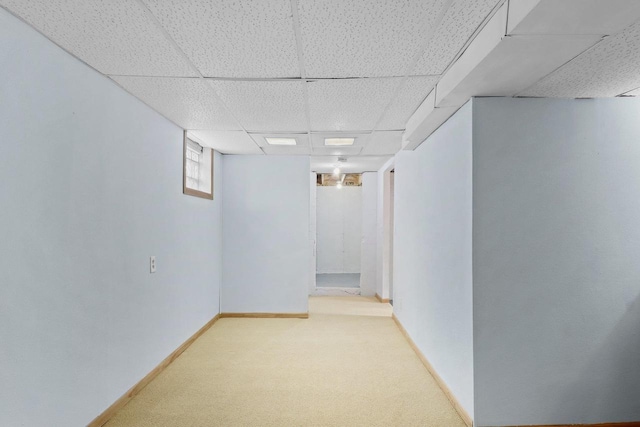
x: 347, y: 365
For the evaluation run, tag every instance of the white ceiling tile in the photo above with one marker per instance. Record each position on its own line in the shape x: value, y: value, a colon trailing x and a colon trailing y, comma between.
x: 336, y: 151
x: 349, y: 105
x: 226, y: 142
x: 188, y: 102
x: 265, y: 105
x: 358, y: 164
x: 413, y: 92
x: 364, y: 38
x: 635, y: 92
x: 301, y: 138
x: 460, y: 22
x: 233, y: 38
x: 608, y: 69
x: 361, y: 139
x: 114, y: 37
x: 281, y: 150
x: 383, y: 143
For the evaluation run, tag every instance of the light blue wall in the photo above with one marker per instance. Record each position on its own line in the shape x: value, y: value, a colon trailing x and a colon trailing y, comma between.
x: 368, y: 265
x: 556, y: 239
x: 432, y: 251
x: 90, y: 187
x: 267, y: 250
x: 339, y: 229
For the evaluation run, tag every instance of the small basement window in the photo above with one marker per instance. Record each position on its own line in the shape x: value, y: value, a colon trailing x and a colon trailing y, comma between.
x: 197, y: 175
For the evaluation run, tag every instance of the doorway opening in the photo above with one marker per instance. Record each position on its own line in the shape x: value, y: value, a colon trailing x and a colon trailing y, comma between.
x: 338, y: 234
x: 385, y: 224
x: 390, y: 227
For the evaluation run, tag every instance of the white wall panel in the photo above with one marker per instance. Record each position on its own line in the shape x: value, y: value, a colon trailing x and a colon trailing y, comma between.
x: 368, y: 266
x: 266, y: 241
x: 432, y: 284
x: 91, y: 188
x: 339, y: 229
x: 555, y: 269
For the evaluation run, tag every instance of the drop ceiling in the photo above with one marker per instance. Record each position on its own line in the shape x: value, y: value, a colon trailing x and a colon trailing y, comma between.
x: 233, y: 72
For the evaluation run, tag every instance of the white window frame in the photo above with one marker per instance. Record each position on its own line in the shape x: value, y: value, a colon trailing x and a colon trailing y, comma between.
x: 189, y: 149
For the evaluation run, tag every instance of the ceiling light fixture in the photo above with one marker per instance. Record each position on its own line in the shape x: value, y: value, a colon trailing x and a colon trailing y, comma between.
x: 339, y: 141
x: 336, y: 171
x: 281, y: 141
x: 339, y: 185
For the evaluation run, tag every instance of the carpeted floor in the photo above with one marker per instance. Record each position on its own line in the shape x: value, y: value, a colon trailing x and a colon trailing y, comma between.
x: 347, y: 365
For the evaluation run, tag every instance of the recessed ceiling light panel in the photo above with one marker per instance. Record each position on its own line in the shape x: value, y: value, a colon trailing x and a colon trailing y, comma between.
x: 280, y: 141
x: 339, y: 141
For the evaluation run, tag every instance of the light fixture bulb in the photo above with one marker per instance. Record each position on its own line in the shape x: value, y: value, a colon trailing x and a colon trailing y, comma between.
x: 339, y: 185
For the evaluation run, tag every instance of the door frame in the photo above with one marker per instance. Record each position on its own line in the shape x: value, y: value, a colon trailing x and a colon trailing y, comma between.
x: 313, y: 224
x: 385, y: 224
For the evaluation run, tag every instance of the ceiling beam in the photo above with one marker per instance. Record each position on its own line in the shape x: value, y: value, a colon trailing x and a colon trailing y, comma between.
x: 500, y: 63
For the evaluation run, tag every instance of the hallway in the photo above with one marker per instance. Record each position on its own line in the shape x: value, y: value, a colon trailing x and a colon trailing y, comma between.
x: 347, y: 365
x: 338, y: 280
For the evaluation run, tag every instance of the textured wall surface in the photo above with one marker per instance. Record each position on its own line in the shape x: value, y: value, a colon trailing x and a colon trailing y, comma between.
x: 556, y: 234
x: 91, y: 188
x: 368, y: 268
x: 432, y: 285
x: 339, y: 229
x: 266, y: 240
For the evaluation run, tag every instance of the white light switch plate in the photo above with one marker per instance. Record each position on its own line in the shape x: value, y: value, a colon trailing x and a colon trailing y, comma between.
x: 152, y: 264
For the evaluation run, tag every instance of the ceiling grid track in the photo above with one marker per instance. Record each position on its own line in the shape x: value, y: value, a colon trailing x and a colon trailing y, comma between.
x: 413, y: 64
x: 12, y: 13
x: 301, y: 65
x: 474, y: 35
x: 519, y: 94
x: 73, y: 55
x: 542, y: 38
x: 624, y: 94
x: 193, y: 67
x: 506, y: 21
x: 384, y: 75
x: 461, y: 51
